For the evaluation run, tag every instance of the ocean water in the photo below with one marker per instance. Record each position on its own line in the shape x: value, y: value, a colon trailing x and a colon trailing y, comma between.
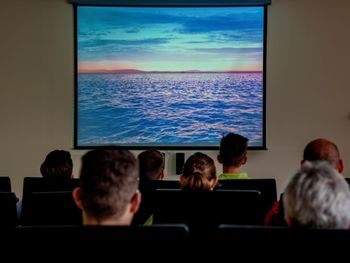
x: 169, y: 108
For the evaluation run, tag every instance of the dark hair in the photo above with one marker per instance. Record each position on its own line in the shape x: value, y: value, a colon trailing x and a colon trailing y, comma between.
x: 151, y: 164
x: 108, y: 181
x: 198, y: 170
x: 322, y: 150
x: 57, y: 164
x: 233, y: 149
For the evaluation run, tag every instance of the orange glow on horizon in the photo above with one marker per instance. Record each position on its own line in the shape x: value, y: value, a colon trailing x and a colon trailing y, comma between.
x: 101, y: 66
x: 98, y: 69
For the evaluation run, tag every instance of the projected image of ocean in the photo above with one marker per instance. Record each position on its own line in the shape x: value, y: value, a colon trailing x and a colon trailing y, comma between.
x: 169, y: 108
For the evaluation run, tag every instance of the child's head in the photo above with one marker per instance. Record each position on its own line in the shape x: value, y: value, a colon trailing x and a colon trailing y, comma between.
x: 233, y: 150
x: 58, y: 164
x: 151, y: 164
x: 199, y: 173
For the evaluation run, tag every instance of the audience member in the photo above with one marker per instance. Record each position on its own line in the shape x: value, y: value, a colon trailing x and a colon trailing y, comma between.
x: 317, y: 196
x: 316, y: 150
x: 57, y: 164
x: 323, y: 150
x: 199, y: 173
x: 232, y: 156
x: 151, y: 164
x: 108, y: 192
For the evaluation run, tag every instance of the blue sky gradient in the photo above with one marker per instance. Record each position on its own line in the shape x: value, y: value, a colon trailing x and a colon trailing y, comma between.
x: 170, y: 39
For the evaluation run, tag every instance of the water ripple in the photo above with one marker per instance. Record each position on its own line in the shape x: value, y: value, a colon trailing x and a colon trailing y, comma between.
x: 169, y: 108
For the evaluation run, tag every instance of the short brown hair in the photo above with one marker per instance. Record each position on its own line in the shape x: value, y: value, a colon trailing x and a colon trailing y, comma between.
x: 233, y: 149
x: 151, y: 164
x: 108, y: 181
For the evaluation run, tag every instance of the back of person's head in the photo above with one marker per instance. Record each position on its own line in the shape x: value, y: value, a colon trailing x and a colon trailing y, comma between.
x: 108, y: 186
x: 233, y: 150
x: 58, y: 164
x: 151, y: 164
x: 317, y: 196
x: 323, y: 150
x: 199, y: 173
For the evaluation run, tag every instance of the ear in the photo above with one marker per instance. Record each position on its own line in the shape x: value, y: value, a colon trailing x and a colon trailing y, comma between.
x: 213, y: 183
x: 161, y: 177
x: 219, y: 159
x: 289, y: 221
x: 77, y: 198
x: 340, y: 166
x: 182, y: 179
x: 244, y: 161
x: 135, y: 202
x: 302, y: 162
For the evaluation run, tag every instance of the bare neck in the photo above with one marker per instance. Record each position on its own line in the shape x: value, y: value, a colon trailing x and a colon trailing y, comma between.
x: 111, y: 221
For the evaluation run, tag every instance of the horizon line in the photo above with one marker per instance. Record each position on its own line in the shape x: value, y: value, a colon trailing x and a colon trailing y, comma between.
x: 136, y: 71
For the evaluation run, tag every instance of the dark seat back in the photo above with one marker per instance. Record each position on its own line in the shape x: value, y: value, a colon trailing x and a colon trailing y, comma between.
x: 8, y: 210
x: 266, y: 243
x: 147, y: 189
x: 50, y: 208
x: 103, y: 242
x: 5, y: 184
x: 267, y: 188
x: 206, y: 210
x: 39, y: 184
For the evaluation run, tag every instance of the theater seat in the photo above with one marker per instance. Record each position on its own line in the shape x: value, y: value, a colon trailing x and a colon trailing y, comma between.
x: 8, y: 210
x: 270, y: 243
x: 204, y: 211
x: 5, y: 184
x: 102, y: 243
x: 50, y: 208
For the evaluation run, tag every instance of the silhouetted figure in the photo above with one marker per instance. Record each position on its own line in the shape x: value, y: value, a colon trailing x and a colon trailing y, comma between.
x: 316, y: 150
x: 108, y: 192
x: 232, y: 156
x: 317, y: 196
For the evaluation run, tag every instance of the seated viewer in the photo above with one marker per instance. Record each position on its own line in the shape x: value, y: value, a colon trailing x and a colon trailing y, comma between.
x: 108, y: 192
x: 232, y: 156
x: 317, y: 196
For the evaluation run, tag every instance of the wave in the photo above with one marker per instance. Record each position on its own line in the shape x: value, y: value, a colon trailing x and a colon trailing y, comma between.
x: 169, y: 108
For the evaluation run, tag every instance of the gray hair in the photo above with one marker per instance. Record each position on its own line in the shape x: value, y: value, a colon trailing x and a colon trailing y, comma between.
x: 317, y: 196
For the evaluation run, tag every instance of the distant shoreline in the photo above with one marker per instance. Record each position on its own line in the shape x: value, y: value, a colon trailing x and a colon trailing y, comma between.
x: 170, y: 72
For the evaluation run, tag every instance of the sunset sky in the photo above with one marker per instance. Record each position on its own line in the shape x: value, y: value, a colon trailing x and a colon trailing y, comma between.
x: 170, y: 39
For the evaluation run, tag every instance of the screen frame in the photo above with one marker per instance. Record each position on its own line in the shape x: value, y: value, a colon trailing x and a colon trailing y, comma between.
x: 155, y: 145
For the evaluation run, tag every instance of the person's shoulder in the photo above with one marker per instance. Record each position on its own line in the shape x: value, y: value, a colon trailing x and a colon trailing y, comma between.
x: 149, y: 221
x: 227, y: 176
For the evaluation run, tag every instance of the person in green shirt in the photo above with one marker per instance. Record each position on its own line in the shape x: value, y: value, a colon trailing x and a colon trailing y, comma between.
x: 232, y: 156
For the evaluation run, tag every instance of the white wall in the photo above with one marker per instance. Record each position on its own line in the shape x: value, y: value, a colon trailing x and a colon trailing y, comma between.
x: 307, y: 85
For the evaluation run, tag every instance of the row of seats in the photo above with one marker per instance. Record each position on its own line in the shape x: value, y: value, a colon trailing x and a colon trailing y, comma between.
x: 152, y: 199
x: 174, y: 242
x: 44, y: 201
x: 202, y: 209
x: 50, y: 202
